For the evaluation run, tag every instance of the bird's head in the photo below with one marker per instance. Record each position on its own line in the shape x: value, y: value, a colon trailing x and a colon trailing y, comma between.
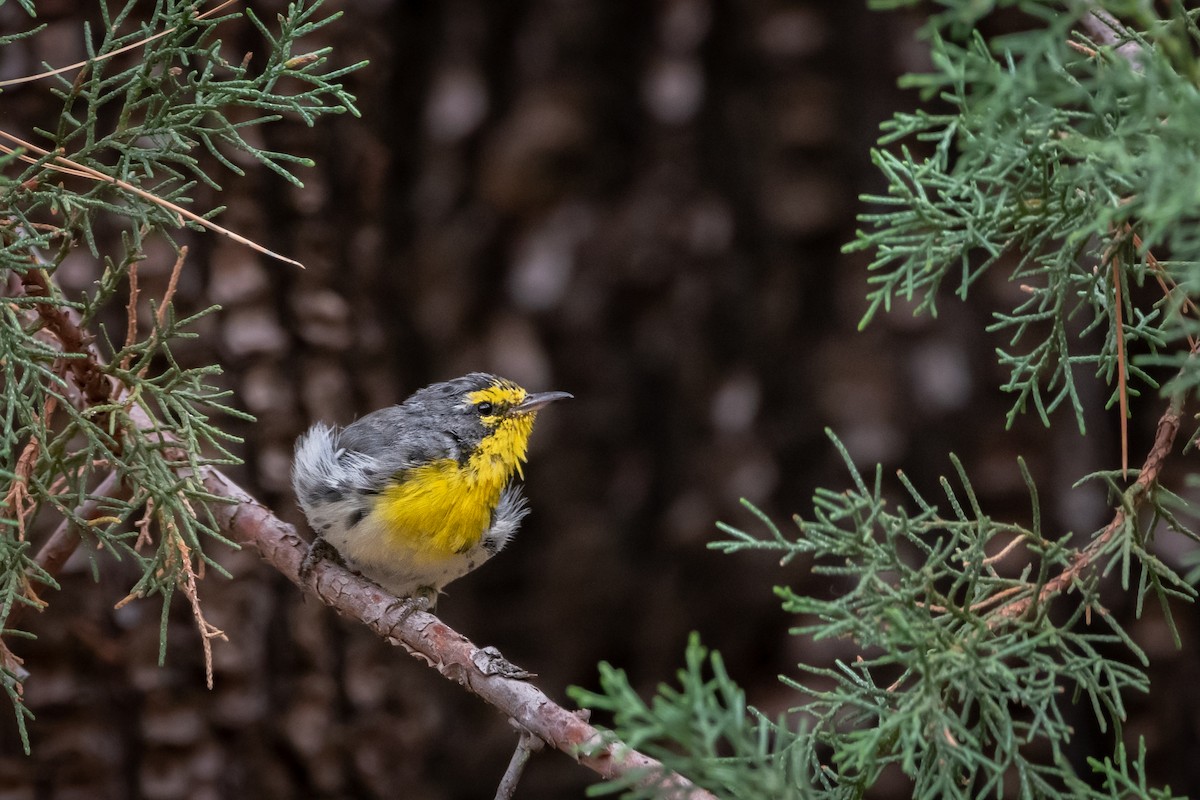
x: 491, y: 417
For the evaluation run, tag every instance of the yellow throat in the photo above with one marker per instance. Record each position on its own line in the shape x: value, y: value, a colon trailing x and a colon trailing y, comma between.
x: 443, y: 508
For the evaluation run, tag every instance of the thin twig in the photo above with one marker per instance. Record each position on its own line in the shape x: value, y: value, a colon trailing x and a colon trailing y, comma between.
x: 1122, y: 388
x: 172, y: 285
x: 131, y: 323
x: 996, y: 598
x: 1077, y: 46
x: 81, y: 64
x: 160, y: 316
x: 1168, y: 286
x: 18, y: 498
x: 63, y: 164
x: 527, y: 745
x: 1134, y: 497
x: 208, y: 631
x: 1008, y: 548
x: 96, y: 387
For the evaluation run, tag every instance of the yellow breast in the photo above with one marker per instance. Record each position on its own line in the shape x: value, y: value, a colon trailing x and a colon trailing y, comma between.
x: 442, y: 508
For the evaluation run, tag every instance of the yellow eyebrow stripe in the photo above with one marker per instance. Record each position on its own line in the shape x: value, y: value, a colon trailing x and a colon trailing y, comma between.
x: 498, y: 394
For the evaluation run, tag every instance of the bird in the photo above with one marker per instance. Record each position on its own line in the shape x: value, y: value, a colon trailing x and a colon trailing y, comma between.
x: 416, y: 495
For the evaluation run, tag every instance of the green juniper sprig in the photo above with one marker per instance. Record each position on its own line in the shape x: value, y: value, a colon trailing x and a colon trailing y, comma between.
x: 105, y: 435
x: 1057, y: 156
x: 1062, y: 153
x: 964, y: 679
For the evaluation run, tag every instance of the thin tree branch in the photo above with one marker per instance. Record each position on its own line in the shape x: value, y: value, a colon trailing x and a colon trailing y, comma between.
x: 62, y: 543
x: 1122, y: 384
x: 527, y: 745
x: 97, y: 388
x: 433, y: 642
x: 1132, y: 500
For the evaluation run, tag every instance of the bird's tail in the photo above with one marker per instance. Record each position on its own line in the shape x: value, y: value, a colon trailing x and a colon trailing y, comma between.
x: 323, y: 472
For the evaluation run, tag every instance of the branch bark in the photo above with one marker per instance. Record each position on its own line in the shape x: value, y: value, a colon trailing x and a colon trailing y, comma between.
x: 96, y: 387
x: 423, y: 635
x: 430, y: 640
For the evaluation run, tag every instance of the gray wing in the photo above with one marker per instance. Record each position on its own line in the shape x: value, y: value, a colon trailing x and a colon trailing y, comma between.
x: 398, y: 438
x: 331, y: 464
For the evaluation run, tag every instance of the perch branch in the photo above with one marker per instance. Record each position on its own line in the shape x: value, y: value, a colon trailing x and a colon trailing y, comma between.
x: 430, y: 640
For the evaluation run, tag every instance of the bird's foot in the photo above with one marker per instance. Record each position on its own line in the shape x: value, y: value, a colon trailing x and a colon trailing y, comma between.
x: 318, y: 550
x: 411, y: 605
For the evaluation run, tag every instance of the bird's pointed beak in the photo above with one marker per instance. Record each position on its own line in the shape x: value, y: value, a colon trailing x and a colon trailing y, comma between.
x: 533, y: 402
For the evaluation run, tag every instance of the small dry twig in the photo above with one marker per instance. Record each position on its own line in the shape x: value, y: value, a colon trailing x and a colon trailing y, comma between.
x: 1008, y: 548
x: 527, y: 745
x: 1135, y: 496
x: 61, y: 163
x: 131, y: 324
x: 81, y: 64
x: 208, y: 631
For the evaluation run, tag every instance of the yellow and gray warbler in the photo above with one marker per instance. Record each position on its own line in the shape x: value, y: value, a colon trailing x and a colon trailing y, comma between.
x: 416, y: 495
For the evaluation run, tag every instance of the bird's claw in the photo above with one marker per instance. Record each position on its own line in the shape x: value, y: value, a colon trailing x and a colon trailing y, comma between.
x: 318, y: 550
x: 409, y: 606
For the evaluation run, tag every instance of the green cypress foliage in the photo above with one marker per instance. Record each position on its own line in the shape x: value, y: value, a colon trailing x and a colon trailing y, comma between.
x: 157, y: 113
x: 1066, y: 156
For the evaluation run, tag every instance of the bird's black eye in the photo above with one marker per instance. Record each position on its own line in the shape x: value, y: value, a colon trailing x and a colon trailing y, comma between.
x: 485, y: 408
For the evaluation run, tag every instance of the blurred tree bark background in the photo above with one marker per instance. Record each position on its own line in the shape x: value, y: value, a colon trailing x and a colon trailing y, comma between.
x: 642, y: 203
